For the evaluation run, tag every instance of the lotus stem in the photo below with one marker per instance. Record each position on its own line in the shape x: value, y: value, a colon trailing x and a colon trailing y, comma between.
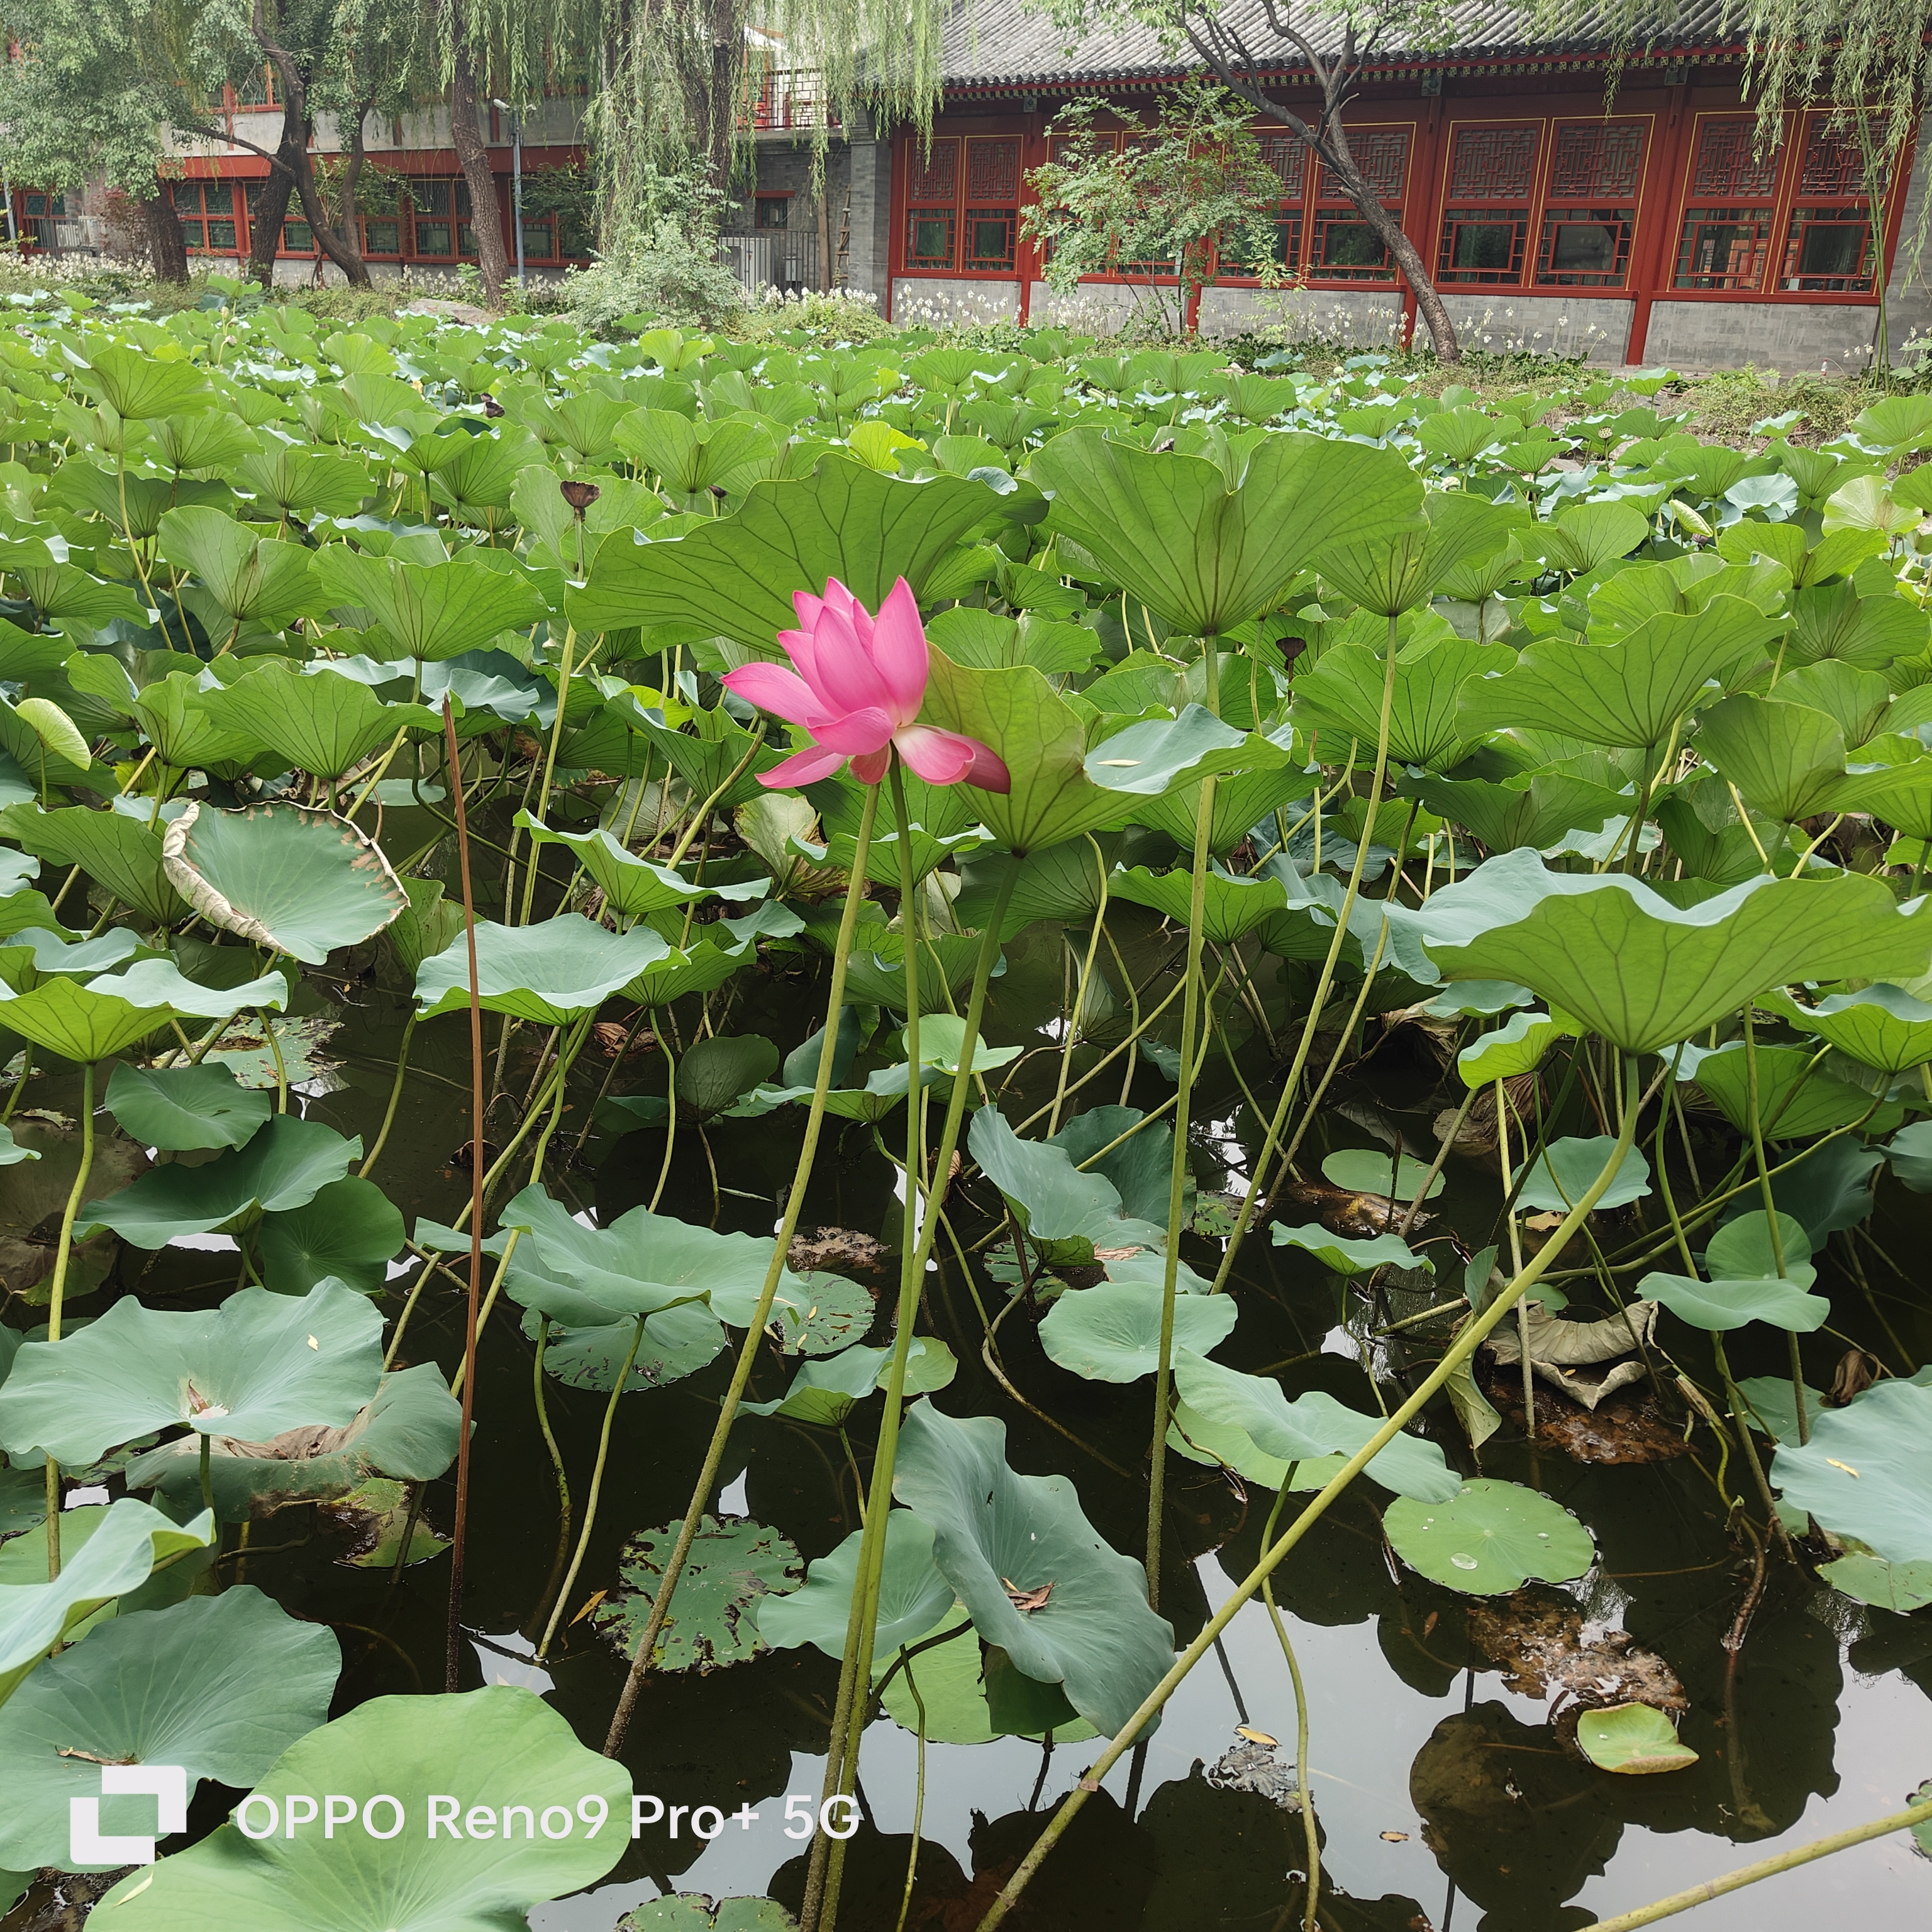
x: 596, y: 1486
x: 63, y: 1255
x: 275, y: 1053
x: 453, y: 1631
x: 1176, y: 1181
x: 748, y: 1352
x: 1770, y: 1867
x: 395, y: 1094
x: 821, y: 1885
x: 1771, y: 1217
x: 1311, y: 1832
x: 1079, y: 994
x: 1319, y: 998
x: 1459, y: 1351
x: 549, y: 769
x: 1516, y: 1264
x: 556, y: 1461
x: 462, y: 1375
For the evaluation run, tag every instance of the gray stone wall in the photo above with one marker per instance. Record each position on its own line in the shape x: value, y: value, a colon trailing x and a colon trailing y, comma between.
x: 1908, y: 296
x: 1821, y: 337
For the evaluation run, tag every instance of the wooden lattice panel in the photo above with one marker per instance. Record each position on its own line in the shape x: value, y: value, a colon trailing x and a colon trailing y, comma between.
x: 1596, y: 163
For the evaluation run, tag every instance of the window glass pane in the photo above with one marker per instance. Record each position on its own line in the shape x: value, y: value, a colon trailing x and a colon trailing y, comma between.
x: 432, y: 237
x: 774, y: 211
x: 1723, y: 248
x: 536, y: 239
x: 929, y: 238
x: 989, y: 239
x: 1484, y: 244
x: 1587, y: 247
x: 466, y: 239
x: 431, y: 197
x: 221, y: 235
x: 1350, y: 244
x: 1830, y: 247
x: 382, y: 238
x: 298, y: 238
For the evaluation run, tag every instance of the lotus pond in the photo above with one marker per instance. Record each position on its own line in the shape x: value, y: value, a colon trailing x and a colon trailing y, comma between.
x: 917, y: 1137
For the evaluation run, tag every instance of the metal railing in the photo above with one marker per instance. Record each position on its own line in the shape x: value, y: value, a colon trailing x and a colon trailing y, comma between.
x: 771, y: 258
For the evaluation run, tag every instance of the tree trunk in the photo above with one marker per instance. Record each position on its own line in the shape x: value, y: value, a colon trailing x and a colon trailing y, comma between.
x: 271, y: 205
x: 341, y: 249
x: 167, y: 252
x: 728, y: 52
x: 493, y: 264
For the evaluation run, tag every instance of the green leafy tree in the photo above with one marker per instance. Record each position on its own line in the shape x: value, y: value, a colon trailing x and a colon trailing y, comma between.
x: 1165, y: 209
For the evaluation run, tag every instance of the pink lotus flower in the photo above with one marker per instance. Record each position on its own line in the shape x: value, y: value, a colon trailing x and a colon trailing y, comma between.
x: 857, y: 687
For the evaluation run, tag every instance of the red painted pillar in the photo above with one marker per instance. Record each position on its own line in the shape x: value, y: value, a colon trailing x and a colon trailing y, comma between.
x: 1651, y: 254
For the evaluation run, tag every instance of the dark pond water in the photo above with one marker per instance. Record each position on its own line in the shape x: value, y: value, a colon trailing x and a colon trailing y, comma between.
x: 1445, y: 1797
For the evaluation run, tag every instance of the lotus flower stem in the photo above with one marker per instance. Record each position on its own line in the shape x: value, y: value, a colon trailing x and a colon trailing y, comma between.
x: 596, y: 1486
x: 63, y: 1254
x: 821, y: 1893
x: 747, y: 1352
x: 1464, y: 1346
x: 670, y: 1123
x: 1319, y: 998
x: 1770, y: 1867
x: 1177, y: 1184
x: 1771, y: 1217
x: 478, y: 1103
x: 701, y: 818
x: 557, y: 1464
x: 1311, y: 1832
x: 1079, y: 1006
x: 549, y: 768
x: 1516, y: 1265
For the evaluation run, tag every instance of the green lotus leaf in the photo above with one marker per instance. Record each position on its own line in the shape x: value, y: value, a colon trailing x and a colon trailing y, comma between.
x: 1582, y: 535
x: 220, y: 1685
x: 733, y: 578
x: 11, y: 1152
x: 995, y: 1531
x: 1340, y: 695
x: 1565, y: 1170
x: 1314, y: 1426
x: 1881, y: 1026
x: 705, y: 755
x: 130, y: 1542
x: 641, y: 1264
x: 1489, y: 1538
x: 140, y: 387
x: 172, y: 711
x: 1679, y: 968
x: 1230, y: 907
x: 1636, y: 1739
x: 300, y: 882
x: 1205, y: 554
x: 942, y: 1044
x: 1832, y: 623
x: 1864, y: 1472
x: 1794, y: 1098
x: 1721, y: 1305
x: 913, y: 1596
x: 58, y: 736
x: 1068, y: 1213
x: 251, y: 578
x: 322, y: 724
x: 109, y: 1014
x: 1786, y: 760
x: 1366, y: 1171
x: 1150, y: 757
x: 429, y: 925
x: 408, y: 1431
x: 692, y: 457
x: 503, y: 1745
x: 1062, y: 882
x: 1536, y: 810
x: 875, y: 973
x: 431, y: 610
x: 734, y: 1563
x: 304, y: 483
x: 1112, y: 1333
x: 1909, y: 1151
x: 1351, y: 1257
x: 1900, y: 1588
x: 350, y: 1232
x: 258, y: 1364
x: 181, y: 1107
x: 1393, y: 573
x: 1243, y: 800
x: 826, y: 1391
x: 549, y: 972
x: 714, y: 1073
x: 285, y: 1165
x: 34, y: 954
x: 1516, y: 1048
x: 474, y: 476
x: 121, y: 854
x: 1629, y: 693
x: 633, y: 887
x: 677, y: 1343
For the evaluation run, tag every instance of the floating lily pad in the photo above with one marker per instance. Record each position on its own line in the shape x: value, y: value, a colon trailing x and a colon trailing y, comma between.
x: 1489, y: 1537
x: 734, y: 1563
x: 405, y: 1748
x: 183, y: 1107
x: 913, y: 1596
x: 1565, y: 1170
x: 1112, y: 1333
x: 1363, y: 1171
x: 219, y: 1685
x: 1901, y: 1588
x: 1633, y: 1739
x: 1864, y: 1472
x: 1351, y: 1258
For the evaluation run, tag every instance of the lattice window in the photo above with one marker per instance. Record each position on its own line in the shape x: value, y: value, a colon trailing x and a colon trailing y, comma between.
x: 933, y: 177
x: 1833, y: 168
x: 1829, y: 248
x: 1286, y: 158
x: 1494, y: 164
x: 993, y: 171
x: 1596, y: 162
x: 1381, y: 155
x: 1723, y: 249
x: 1728, y: 166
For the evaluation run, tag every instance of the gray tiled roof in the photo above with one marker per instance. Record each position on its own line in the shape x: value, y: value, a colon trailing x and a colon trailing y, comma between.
x: 1007, y: 44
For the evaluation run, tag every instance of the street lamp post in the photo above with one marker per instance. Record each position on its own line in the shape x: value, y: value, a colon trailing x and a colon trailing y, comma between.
x: 516, y: 178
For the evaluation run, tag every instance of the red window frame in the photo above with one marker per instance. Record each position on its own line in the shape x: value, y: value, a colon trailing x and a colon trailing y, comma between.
x: 961, y: 195
x: 1488, y: 197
